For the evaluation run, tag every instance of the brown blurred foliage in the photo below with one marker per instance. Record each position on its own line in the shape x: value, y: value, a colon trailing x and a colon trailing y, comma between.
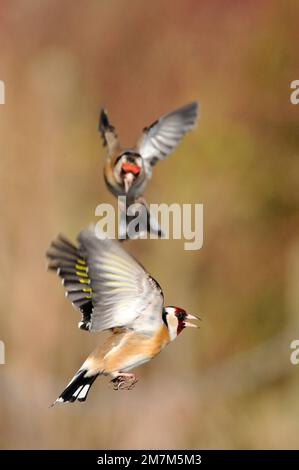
x: 60, y: 61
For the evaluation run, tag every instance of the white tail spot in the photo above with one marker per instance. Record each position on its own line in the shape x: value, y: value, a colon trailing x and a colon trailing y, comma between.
x: 77, y: 392
x: 84, y: 391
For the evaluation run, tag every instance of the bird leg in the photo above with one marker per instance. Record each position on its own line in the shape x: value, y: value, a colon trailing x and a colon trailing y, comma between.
x: 124, y: 381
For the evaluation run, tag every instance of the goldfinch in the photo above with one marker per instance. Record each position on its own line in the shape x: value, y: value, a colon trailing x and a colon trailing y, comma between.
x: 113, y: 292
x: 127, y: 170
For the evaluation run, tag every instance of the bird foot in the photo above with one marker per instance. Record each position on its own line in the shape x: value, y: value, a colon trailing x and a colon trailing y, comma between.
x: 124, y: 382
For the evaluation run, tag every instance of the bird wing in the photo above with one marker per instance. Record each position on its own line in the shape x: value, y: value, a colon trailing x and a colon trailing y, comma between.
x: 123, y: 293
x: 159, y: 139
x: 66, y: 260
x: 107, y: 131
x: 107, y: 285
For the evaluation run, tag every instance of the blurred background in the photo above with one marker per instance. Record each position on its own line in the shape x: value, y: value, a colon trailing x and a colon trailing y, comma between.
x: 230, y: 384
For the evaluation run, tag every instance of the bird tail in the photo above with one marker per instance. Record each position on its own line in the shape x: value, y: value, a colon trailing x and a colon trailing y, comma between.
x: 153, y: 225
x: 77, y: 389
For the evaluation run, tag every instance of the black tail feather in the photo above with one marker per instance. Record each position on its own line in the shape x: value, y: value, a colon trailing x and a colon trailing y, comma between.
x: 151, y: 225
x: 77, y: 389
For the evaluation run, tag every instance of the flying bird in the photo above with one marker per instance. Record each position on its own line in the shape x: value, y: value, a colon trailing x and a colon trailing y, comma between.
x: 128, y: 170
x: 113, y: 292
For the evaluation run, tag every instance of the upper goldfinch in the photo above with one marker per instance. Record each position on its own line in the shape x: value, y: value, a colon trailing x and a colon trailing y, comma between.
x: 127, y: 170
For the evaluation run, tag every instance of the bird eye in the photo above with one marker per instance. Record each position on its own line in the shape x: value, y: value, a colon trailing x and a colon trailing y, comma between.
x: 180, y: 316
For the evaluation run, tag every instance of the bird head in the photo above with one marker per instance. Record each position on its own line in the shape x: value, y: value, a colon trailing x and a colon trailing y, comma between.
x: 128, y: 166
x: 176, y: 319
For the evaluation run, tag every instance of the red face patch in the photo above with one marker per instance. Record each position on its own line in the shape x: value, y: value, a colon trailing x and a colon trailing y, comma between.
x: 181, y: 315
x: 130, y: 168
x: 181, y: 326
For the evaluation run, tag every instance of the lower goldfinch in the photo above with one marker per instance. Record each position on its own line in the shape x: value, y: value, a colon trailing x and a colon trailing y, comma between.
x: 113, y: 292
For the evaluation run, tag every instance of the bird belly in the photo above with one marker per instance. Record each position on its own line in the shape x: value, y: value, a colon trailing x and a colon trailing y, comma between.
x: 132, y: 351
x: 133, y: 362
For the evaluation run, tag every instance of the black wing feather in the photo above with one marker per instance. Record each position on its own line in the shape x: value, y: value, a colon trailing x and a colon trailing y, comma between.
x: 66, y: 259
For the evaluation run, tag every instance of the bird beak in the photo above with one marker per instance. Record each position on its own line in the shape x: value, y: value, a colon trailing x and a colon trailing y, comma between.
x: 191, y: 317
x: 128, y: 180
